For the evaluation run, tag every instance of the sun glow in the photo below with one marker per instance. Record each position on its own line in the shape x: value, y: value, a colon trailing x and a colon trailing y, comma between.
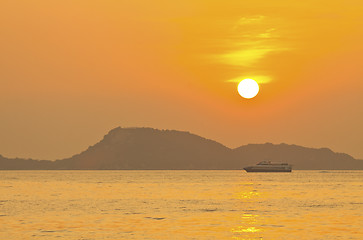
x: 248, y: 88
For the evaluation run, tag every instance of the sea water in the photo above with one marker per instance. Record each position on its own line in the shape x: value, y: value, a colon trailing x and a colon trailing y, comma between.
x: 181, y: 205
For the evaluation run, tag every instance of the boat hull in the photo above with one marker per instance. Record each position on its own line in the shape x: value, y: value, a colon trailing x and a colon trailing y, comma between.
x: 254, y: 169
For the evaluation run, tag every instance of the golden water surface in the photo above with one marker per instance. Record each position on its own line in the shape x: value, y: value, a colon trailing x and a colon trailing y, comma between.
x: 181, y: 205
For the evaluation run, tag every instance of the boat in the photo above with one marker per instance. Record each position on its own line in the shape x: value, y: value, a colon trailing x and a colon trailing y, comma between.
x: 267, y: 166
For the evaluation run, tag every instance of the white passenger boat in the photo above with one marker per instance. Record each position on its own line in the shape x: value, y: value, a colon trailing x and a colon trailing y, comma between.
x: 267, y: 166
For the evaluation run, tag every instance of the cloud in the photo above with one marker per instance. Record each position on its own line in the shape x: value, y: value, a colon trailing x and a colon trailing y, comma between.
x: 245, y: 57
x: 260, y: 79
x: 250, y: 40
x: 267, y: 34
x: 250, y: 20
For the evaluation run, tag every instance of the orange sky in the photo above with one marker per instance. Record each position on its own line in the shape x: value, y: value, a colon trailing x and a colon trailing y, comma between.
x: 72, y: 70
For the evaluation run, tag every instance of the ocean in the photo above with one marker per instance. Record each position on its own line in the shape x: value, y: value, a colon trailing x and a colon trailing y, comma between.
x: 181, y: 205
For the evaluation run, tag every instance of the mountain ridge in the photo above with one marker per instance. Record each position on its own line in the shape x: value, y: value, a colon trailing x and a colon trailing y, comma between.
x: 149, y: 148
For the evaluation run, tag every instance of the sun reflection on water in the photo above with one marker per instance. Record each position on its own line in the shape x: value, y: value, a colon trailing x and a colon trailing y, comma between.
x: 249, y: 226
x: 247, y: 192
x: 247, y: 195
x: 240, y: 229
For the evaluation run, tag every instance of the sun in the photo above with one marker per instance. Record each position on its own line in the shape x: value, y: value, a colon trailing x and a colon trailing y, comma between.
x: 248, y: 88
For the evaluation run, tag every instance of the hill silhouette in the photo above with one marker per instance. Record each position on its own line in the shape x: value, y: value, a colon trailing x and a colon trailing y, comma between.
x: 147, y: 148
